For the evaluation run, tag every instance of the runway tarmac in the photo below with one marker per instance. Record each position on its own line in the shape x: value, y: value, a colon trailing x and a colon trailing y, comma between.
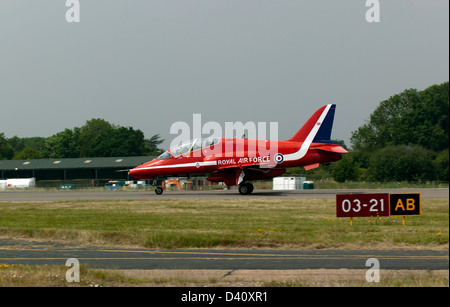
x: 33, y: 195
x: 42, y: 253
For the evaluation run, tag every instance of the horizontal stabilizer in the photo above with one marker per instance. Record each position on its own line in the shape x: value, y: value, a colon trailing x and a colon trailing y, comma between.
x: 311, y: 166
x: 332, y: 148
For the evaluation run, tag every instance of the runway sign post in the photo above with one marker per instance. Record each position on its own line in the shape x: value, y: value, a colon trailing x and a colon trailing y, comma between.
x: 404, y: 204
x: 377, y: 205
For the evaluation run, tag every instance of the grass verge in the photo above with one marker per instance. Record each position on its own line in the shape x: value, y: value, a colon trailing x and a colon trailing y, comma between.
x: 243, y: 223
x: 54, y: 276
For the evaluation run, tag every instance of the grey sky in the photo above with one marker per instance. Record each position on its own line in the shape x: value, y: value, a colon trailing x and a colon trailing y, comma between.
x: 147, y: 64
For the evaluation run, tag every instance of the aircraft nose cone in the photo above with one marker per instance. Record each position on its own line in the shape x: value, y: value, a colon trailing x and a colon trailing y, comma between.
x: 131, y: 171
x: 135, y: 172
x: 143, y: 171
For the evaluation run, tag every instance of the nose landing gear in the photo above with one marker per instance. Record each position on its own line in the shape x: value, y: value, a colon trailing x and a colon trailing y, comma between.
x: 159, y: 190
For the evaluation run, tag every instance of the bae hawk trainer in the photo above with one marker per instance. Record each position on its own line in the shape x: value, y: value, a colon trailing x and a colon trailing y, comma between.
x: 237, y: 161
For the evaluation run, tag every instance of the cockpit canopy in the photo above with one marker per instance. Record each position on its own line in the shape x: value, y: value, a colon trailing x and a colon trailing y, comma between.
x: 187, y: 146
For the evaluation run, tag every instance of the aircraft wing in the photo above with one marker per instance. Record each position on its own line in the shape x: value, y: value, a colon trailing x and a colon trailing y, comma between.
x: 235, y: 174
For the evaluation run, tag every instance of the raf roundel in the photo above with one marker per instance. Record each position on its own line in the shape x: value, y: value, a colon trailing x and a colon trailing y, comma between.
x: 279, y: 158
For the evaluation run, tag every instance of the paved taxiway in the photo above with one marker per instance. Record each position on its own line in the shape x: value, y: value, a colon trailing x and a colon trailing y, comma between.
x: 31, y: 195
x: 41, y: 253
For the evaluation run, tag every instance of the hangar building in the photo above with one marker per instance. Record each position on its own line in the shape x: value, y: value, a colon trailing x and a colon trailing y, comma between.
x: 113, y: 168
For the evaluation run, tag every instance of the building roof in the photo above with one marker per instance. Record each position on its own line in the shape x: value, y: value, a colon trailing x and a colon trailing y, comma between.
x: 74, y: 163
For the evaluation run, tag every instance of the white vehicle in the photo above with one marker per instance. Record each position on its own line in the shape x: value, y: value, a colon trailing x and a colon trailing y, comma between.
x: 19, y: 183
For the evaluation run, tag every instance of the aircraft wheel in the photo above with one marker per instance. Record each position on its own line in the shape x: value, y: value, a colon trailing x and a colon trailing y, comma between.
x: 245, y: 188
x: 250, y: 186
x: 158, y: 190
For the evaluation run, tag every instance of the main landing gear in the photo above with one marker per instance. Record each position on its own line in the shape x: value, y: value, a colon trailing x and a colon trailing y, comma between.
x: 245, y: 188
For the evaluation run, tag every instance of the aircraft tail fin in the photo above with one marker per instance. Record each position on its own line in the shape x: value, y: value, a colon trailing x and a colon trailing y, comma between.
x: 318, y: 127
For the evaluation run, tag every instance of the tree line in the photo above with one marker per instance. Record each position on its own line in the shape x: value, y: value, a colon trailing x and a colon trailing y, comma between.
x: 96, y: 138
x: 405, y: 139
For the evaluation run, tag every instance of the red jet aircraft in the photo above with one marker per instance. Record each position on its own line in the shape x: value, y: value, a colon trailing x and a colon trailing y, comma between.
x: 238, y: 161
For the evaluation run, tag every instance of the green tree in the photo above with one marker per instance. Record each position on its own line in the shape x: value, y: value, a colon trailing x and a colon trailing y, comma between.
x: 441, y: 165
x: 402, y: 163
x: 6, y: 150
x: 433, y: 114
x: 99, y: 138
x: 17, y: 143
x: 152, y: 145
x: 27, y: 148
x: 64, y: 144
x: 28, y: 153
x: 408, y: 118
x: 20, y: 144
x: 345, y: 170
x: 96, y: 138
x: 127, y: 142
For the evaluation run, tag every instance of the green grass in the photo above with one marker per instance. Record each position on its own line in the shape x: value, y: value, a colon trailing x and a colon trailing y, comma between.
x: 54, y: 276
x: 265, y: 223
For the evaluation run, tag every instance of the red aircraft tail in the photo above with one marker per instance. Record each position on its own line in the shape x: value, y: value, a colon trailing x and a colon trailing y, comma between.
x: 323, y: 120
